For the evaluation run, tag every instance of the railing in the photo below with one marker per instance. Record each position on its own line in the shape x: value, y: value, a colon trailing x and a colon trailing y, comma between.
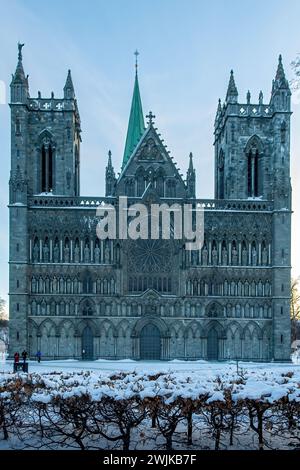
x: 206, y: 204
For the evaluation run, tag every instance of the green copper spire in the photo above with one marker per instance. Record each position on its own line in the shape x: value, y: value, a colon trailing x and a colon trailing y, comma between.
x: 136, y: 124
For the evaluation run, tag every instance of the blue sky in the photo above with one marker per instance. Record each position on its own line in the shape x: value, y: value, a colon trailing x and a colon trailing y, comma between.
x: 187, y: 48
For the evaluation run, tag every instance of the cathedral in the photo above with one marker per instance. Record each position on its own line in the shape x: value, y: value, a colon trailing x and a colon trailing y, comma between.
x: 74, y: 295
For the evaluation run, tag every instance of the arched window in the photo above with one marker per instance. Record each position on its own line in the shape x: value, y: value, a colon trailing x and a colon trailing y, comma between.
x: 47, y: 168
x: 254, y: 167
x: 221, y: 183
x: 87, y: 309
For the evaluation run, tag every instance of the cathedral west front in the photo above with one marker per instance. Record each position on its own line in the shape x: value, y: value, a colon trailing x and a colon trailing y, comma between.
x: 74, y: 295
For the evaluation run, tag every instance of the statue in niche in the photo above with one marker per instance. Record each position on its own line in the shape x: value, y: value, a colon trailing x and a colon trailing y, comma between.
x: 214, y: 255
x: 67, y: 254
x: 254, y: 256
x: 46, y: 252
x: 56, y: 253
x: 194, y: 257
x: 33, y: 285
x: 264, y: 256
x: 36, y: 253
x: 224, y: 256
x: 107, y: 254
x: 54, y: 285
x: 204, y: 256
x: 97, y: 254
x: 234, y: 256
x: 244, y: 256
x: 76, y: 253
x: 87, y: 258
x: 72, y: 308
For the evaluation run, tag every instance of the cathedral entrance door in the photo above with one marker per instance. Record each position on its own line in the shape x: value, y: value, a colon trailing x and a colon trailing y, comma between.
x: 150, y: 344
x: 212, y: 345
x: 87, y: 344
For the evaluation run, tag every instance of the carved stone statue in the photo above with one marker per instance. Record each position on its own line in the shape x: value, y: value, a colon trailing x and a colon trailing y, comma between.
x: 56, y: 253
x: 87, y: 257
x: 67, y: 254
x: 214, y: 255
x: 244, y: 257
x: 36, y: 253
x: 234, y: 256
x: 224, y: 256
x: 204, y: 256
x: 54, y: 285
x: 264, y: 256
x: 46, y: 253
x: 97, y: 254
x: 254, y: 256
x: 76, y: 254
x: 33, y: 285
x: 107, y: 254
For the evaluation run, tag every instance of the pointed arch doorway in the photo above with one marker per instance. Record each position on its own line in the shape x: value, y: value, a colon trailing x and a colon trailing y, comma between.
x: 87, y: 344
x: 212, y: 345
x: 150, y: 343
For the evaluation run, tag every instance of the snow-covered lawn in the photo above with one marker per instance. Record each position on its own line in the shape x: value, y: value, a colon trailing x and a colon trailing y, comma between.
x: 205, y: 367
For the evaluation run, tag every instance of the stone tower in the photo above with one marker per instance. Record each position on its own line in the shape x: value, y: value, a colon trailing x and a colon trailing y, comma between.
x: 252, y: 162
x: 45, y: 158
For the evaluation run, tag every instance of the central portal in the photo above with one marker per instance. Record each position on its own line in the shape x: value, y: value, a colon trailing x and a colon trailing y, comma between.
x: 150, y: 344
x: 87, y: 344
x: 213, y: 345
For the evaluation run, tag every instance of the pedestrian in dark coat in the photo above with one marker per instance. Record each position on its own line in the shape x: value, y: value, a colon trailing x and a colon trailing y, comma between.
x: 16, y: 357
x: 38, y: 355
x: 24, y: 356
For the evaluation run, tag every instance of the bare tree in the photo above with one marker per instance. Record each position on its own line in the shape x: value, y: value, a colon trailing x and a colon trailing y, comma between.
x: 295, y: 308
x: 3, y: 314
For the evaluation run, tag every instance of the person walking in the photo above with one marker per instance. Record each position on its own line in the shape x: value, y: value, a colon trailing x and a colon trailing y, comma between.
x: 38, y: 355
x: 16, y: 357
x: 24, y: 356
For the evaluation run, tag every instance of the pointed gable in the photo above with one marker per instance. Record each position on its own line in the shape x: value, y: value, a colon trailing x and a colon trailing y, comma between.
x: 150, y: 163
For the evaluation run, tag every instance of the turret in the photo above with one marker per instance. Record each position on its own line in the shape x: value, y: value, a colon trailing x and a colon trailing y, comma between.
x: 19, y: 87
x: 232, y: 93
x: 191, y: 178
x: 110, y: 177
x: 69, y: 92
x: 281, y: 93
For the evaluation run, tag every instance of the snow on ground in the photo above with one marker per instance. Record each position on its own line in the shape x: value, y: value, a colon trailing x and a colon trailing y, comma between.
x: 129, y: 365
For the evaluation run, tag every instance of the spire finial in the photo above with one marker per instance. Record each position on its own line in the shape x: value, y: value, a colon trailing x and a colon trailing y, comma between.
x: 136, y: 60
x: 150, y: 116
x: 232, y: 93
x: 20, y: 51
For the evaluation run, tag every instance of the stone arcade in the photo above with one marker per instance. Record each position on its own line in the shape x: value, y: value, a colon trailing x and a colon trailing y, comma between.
x: 75, y: 296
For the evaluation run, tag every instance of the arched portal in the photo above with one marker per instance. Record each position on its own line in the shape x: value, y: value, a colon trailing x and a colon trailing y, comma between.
x: 150, y: 342
x: 212, y: 345
x: 87, y: 344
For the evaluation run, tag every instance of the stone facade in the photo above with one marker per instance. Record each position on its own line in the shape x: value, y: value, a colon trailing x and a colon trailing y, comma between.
x: 75, y: 296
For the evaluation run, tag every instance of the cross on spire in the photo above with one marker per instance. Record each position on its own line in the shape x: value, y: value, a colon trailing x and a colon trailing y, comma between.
x: 150, y: 116
x: 136, y: 59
